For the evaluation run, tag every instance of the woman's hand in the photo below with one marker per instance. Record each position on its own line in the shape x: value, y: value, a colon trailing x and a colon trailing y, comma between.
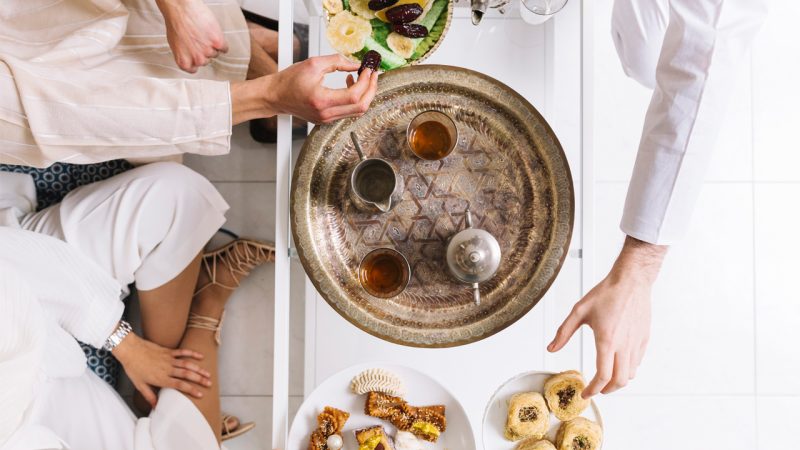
x: 298, y: 90
x: 193, y: 33
x: 150, y: 365
x: 618, y: 311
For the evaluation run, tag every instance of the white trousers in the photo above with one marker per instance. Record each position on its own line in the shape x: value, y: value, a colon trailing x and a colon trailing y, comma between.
x: 637, y: 28
x: 144, y: 226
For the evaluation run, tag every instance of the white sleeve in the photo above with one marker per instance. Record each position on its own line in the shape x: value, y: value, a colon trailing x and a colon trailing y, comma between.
x: 73, y: 290
x: 705, y: 45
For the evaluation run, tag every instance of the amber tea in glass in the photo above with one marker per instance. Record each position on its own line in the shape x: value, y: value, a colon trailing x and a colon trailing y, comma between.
x: 384, y: 273
x: 432, y: 135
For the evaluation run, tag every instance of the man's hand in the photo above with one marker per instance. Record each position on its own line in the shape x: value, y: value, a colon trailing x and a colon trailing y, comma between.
x: 298, y: 90
x: 148, y: 364
x: 618, y: 310
x: 193, y: 33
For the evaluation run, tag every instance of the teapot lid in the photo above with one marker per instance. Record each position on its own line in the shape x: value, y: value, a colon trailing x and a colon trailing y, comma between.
x: 473, y: 255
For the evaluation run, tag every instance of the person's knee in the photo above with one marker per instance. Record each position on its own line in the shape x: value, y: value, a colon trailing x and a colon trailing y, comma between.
x: 175, y: 187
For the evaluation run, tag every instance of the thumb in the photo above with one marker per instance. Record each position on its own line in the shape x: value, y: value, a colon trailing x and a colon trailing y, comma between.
x: 566, y: 330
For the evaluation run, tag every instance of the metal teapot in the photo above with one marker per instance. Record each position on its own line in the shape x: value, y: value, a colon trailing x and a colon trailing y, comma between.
x: 473, y: 256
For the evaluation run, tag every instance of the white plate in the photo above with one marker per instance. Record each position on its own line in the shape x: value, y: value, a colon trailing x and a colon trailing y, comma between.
x: 421, y: 390
x: 494, y: 419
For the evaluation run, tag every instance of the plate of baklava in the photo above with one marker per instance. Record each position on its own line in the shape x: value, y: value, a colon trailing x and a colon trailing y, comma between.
x: 381, y: 407
x: 542, y: 411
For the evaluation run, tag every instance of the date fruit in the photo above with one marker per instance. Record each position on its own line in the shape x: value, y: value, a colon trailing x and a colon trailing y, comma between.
x: 376, y: 5
x: 411, y: 30
x: 404, y: 13
x: 371, y: 60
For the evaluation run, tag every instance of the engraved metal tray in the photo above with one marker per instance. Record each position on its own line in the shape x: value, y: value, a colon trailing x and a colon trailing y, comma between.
x: 508, y: 167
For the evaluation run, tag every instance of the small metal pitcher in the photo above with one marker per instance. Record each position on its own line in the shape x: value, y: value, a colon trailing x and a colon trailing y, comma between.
x: 375, y: 185
x: 479, y: 8
x: 473, y: 256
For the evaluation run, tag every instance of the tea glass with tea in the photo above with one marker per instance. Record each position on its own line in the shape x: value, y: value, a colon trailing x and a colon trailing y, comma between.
x: 432, y: 135
x: 384, y: 272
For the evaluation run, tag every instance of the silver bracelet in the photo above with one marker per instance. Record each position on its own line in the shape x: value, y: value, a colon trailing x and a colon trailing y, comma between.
x: 117, y: 336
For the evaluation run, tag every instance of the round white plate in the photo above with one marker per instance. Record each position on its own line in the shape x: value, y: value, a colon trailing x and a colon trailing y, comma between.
x: 421, y: 390
x: 494, y: 419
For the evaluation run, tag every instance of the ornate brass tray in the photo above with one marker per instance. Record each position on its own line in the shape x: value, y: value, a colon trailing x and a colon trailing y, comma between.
x: 509, y: 168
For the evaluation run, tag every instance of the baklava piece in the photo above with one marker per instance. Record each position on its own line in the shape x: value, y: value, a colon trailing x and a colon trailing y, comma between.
x: 579, y: 434
x: 329, y: 422
x: 373, y: 438
x: 528, y: 417
x: 563, y: 395
x: 535, y: 444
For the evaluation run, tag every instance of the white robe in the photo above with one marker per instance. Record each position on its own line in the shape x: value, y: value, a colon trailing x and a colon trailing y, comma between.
x: 51, y: 294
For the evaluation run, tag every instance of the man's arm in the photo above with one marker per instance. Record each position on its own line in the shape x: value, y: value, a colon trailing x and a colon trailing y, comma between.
x: 704, y: 45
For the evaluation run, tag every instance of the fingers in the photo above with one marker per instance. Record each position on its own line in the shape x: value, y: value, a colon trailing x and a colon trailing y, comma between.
x: 637, y: 355
x: 605, y: 366
x: 567, y: 329
x: 148, y: 394
x: 361, y: 105
x: 220, y: 45
x: 188, y: 365
x: 190, y: 375
x: 333, y: 63
x: 186, y: 353
x: 186, y: 387
x: 352, y: 95
x: 621, y: 376
x: 190, y: 371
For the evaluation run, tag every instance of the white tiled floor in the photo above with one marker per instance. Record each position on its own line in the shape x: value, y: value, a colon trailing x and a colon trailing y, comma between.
x: 721, y: 370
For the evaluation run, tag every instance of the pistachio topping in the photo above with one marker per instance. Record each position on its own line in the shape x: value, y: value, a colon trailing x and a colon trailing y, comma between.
x: 581, y: 443
x: 528, y: 414
x: 565, y: 396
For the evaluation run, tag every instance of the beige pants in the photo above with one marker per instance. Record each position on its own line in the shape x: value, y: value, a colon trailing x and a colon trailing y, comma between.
x: 85, y: 81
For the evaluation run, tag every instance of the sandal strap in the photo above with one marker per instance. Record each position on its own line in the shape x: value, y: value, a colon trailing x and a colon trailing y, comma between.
x: 207, y: 323
x: 239, y: 257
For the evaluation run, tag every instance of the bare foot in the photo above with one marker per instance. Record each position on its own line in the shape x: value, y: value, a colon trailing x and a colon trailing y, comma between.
x: 193, y: 33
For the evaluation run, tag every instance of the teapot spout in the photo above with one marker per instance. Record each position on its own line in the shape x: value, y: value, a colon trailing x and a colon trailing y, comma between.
x: 476, y: 294
x: 479, y: 8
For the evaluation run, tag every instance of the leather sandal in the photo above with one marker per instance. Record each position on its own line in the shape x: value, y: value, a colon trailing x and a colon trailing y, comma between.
x: 240, y: 257
x: 230, y: 432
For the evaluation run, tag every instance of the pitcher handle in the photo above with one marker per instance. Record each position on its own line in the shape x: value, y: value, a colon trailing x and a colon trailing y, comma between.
x: 354, y: 137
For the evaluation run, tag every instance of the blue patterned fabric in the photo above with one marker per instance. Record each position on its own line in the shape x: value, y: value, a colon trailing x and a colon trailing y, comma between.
x: 52, y: 184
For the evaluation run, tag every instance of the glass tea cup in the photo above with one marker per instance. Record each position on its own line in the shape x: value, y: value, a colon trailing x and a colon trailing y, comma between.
x: 384, y: 272
x: 540, y: 11
x: 432, y: 135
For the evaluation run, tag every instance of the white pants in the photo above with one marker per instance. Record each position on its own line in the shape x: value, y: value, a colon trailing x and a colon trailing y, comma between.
x: 144, y: 226
x: 638, y: 27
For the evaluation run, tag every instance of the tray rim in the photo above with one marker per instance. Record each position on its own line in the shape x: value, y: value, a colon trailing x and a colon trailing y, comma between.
x: 305, y: 261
